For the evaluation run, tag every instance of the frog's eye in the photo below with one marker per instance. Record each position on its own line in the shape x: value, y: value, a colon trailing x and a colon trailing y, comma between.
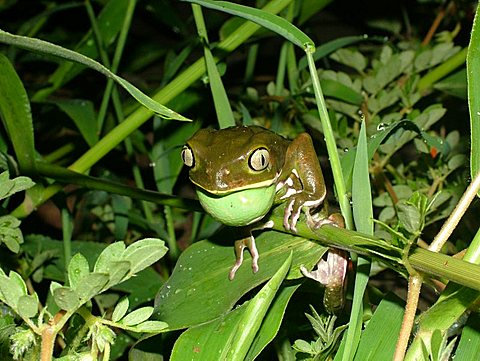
x: 259, y: 159
x: 187, y: 156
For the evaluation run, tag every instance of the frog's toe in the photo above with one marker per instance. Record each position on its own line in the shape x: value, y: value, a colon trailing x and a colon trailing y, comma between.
x: 287, y: 214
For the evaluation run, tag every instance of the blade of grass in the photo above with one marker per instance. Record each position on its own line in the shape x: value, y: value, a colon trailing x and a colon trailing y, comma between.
x: 220, y: 99
x: 16, y: 115
x: 45, y: 47
x: 363, y: 216
x: 330, y: 142
x: 272, y: 22
x: 473, y: 81
x: 254, y: 314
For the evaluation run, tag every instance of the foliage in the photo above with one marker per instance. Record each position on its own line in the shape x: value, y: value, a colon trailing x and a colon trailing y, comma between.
x: 93, y: 187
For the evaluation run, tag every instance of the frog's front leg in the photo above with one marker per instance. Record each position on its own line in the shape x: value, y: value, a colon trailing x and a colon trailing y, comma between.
x: 304, y: 183
x: 240, y: 245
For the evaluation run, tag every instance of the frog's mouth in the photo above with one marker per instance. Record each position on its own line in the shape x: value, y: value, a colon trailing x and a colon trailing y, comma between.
x: 223, y: 192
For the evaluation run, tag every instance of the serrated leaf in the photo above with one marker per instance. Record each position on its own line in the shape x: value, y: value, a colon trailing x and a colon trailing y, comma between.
x: 11, y: 290
x: 27, y: 306
x: 138, y: 316
x: 91, y: 285
x: 111, y: 254
x: 151, y: 326
x: 120, y: 309
x: 144, y: 253
x: 66, y: 298
x: 77, y: 269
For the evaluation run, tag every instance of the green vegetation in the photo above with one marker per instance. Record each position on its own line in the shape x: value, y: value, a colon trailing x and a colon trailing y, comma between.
x: 106, y: 254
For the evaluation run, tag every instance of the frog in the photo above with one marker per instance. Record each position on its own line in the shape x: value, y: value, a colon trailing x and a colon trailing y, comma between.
x: 241, y: 172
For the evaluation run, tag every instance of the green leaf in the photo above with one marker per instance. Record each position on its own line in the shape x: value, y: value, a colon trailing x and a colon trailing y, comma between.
x: 212, y: 335
x: 83, y: 115
x: 220, y: 98
x: 270, y: 21
x: 272, y: 321
x: 138, y: 316
x: 9, y: 187
x: 66, y: 298
x: 91, y: 285
x: 16, y: 115
x: 142, y: 288
x: 120, y: 309
x: 117, y: 272
x: 144, y: 253
x: 77, y: 269
x: 351, y: 58
x: 44, y: 47
x: 469, y: 345
x: 27, y: 306
x: 363, y: 217
x: 473, y: 81
x: 150, y: 327
x: 409, y: 217
x: 112, y: 253
x: 252, y: 318
x: 380, y: 336
x: 340, y: 91
x: 201, y: 275
x: 10, y: 233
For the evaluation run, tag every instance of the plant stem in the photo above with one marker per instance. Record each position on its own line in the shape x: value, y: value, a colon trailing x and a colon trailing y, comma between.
x: 330, y: 141
x: 414, y: 287
x: 452, y: 221
x: 48, y: 339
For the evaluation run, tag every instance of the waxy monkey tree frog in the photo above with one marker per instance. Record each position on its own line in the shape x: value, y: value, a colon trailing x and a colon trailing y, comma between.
x: 241, y: 171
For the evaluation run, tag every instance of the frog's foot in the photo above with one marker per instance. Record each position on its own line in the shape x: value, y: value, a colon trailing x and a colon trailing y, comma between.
x: 240, y: 245
x: 335, y: 219
x: 331, y: 273
x: 294, y: 207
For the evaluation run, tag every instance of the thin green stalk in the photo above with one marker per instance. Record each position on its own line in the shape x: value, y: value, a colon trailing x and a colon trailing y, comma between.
x: 251, y: 61
x: 67, y: 230
x: 330, y: 141
x: 172, y: 239
x: 220, y: 99
x: 59, y: 153
x: 282, y: 64
x: 292, y: 69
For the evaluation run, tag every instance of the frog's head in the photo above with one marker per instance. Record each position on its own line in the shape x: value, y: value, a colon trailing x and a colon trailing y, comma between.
x: 235, y: 171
